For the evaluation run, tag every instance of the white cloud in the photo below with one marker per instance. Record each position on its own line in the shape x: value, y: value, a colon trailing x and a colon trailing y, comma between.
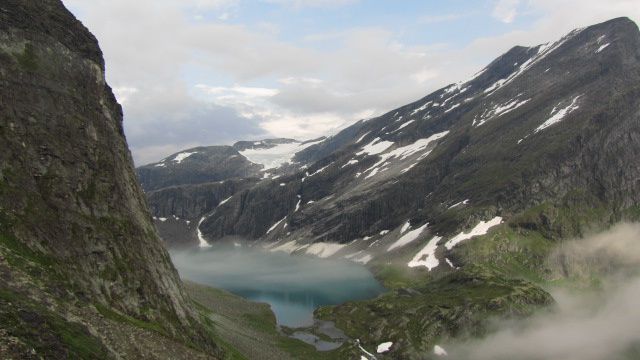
x: 311, y: 89
x: 123, y: 93
x: 312, y: 3
x: 603, y: 323
x: 506, y: 10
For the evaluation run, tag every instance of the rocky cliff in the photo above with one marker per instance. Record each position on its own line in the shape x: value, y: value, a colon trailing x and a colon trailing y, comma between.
x: 75, y: 231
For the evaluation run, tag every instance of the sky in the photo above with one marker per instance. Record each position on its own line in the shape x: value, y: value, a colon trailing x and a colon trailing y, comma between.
x: 210, y: 72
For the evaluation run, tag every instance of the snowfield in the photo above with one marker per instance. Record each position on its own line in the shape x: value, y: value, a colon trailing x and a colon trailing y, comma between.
x: 277, y: 155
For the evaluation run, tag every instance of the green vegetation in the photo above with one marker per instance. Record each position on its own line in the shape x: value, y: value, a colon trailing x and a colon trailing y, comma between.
x: 248, y: 330
x: 48, y: 333
x: 456, y: 305
x: 111, y: 314
x: 28, y: 60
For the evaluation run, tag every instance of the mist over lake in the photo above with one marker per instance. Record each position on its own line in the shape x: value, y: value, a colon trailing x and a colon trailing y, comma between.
x: 294, y: 286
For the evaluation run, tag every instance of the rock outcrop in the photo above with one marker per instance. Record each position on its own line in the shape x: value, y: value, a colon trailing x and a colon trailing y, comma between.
x: 75, y: 230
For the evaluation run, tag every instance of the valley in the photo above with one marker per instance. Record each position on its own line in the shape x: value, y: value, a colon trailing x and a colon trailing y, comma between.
x: 493, y: 218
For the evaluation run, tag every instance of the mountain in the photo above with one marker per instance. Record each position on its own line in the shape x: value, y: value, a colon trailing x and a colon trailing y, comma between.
x: 455, y: 200
x: 538, y: 124
x: 184, y: 186
x: 83, y: 273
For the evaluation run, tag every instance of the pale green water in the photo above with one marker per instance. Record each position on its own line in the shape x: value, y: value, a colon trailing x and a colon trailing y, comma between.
x: 294, y: 286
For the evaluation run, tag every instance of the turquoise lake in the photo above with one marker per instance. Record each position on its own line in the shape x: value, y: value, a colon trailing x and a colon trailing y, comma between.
x: 294, y: 286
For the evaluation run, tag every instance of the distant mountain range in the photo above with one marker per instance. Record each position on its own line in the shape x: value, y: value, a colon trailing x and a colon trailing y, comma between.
x: 475, y: 182
x: 536, y: 125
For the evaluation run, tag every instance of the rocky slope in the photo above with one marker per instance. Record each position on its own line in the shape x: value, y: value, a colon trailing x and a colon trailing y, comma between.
x: 81, y: 264
x: 473, y: 184
x: 185, y: 186
x: 538, y: 124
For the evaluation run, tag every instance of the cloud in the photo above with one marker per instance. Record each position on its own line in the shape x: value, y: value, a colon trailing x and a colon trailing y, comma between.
x: 157, y: 52
x: 181, y: 123
x: 312, y: 3
x: 506, y: 10
x: 602, y: 324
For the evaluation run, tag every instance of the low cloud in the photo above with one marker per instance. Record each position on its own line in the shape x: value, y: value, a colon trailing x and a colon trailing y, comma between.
x: 246, y: 268
x: 585, y: 324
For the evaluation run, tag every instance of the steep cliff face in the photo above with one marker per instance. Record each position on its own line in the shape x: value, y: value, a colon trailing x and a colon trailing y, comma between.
x: 74, y: 224
x: 177, y: 210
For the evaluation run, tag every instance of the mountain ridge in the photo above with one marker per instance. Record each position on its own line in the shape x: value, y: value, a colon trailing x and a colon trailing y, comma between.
x: 454, y: 201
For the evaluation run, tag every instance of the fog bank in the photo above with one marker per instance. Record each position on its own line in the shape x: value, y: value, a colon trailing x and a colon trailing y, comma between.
x: 585, y: 324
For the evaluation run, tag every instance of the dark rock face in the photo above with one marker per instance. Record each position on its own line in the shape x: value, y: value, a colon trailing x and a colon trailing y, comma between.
x: 68, y: 192
x: 177, y: 210
x: 538, y: 124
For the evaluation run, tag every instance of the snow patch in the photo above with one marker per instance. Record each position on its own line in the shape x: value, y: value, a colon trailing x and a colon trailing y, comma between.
x: 481, y: 229
x: 404, y: 152
x: 405, y: 227
x: 202, y: 242
x: 427, y: 256
x: 449, y: 263
x: 350, y: 162
x: 452, y: 108
x: 558, y: 114
x: 375, y: 147
x: 421, y: 108
x: 317, y: 171
x: 224, y: 201
x: 439, y: 351
x: 277, y: 155
x: 384, y: 347
x: 363, y: 136
x: 497, y: 111
x: 404, y: 125
x: 275, y: 225
x: 602, y: 47
x: 407, y: 238
x: 324, y: 250
x: 178, y: 158
x: 458, y: 204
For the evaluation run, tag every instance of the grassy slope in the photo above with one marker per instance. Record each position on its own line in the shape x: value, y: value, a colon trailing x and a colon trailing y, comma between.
x: 248, y: 329
x: 502, y: 274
